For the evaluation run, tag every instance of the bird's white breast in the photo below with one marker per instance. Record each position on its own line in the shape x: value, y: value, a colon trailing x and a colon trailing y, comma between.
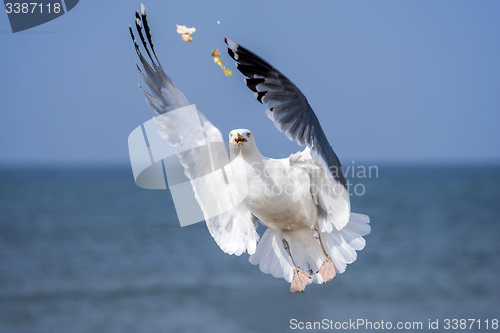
x: 279, y: 195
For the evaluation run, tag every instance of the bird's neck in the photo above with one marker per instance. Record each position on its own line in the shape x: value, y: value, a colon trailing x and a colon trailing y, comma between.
x: 250, y: 155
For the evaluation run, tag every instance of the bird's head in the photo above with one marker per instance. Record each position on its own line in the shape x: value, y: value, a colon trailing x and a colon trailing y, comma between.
x: 242, y: 140
x: 241, y: 137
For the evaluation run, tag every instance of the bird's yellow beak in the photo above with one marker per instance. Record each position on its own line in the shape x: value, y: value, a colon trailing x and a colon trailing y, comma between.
x: 239, y: 139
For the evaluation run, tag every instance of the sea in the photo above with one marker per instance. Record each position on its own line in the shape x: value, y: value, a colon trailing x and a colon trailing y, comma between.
x: 83, y: 249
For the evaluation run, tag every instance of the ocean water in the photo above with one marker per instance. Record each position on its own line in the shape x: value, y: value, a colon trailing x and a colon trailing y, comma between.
x: 85, y: 250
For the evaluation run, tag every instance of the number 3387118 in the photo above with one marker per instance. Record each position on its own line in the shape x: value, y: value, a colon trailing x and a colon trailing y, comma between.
x: 32, y: 8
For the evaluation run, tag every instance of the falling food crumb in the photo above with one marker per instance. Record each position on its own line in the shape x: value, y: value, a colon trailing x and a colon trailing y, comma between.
x: 185, y: 32
x: 218, y: 61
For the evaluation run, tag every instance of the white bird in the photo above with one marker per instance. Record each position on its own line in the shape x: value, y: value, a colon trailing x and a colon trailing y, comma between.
x: 302, y: 200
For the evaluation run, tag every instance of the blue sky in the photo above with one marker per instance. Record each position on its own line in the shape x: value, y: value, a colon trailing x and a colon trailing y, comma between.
x: 390, y: 81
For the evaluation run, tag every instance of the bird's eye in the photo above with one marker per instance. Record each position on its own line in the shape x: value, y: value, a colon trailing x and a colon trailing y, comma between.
x: 249, y: 134
x: 230, y: 135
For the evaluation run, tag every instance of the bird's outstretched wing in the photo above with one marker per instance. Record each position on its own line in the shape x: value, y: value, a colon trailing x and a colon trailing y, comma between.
x: 200, y: 149
x: 288, y: 107
x: 291, y: 113
x: 181, y: 130
x: 165, y: 96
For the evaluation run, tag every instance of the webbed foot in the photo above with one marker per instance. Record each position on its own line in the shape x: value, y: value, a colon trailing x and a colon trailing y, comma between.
x: 299, y: 280
x: 327, y: 270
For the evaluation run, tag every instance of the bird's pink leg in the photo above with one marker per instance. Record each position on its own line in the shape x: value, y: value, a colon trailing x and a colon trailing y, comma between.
x: 327, y: 269
x: 300, y: 277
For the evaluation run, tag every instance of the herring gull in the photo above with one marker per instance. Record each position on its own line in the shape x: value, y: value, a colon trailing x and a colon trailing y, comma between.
x: 303, y: 200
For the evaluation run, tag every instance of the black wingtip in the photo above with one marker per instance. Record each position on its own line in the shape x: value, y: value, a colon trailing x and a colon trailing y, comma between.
x: 252, y: 83
x: 131, y: 32
x: 260, y: 95
x: 140, y: 23
x: 227, y: 41
x: 232, y: 54
x: 133, y: 40
x: 147, y: 29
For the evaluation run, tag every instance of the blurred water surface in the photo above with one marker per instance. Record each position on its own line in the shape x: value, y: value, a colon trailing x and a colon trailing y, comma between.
x: 85, y: 250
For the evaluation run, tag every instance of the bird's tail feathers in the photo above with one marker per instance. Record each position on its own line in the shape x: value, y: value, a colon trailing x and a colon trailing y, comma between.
x: 271, y: 257
x: 341, y: 246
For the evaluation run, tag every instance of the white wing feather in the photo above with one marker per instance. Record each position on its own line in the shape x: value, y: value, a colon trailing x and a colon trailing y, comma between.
x: 200, y: 148
x: 332, y: 198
